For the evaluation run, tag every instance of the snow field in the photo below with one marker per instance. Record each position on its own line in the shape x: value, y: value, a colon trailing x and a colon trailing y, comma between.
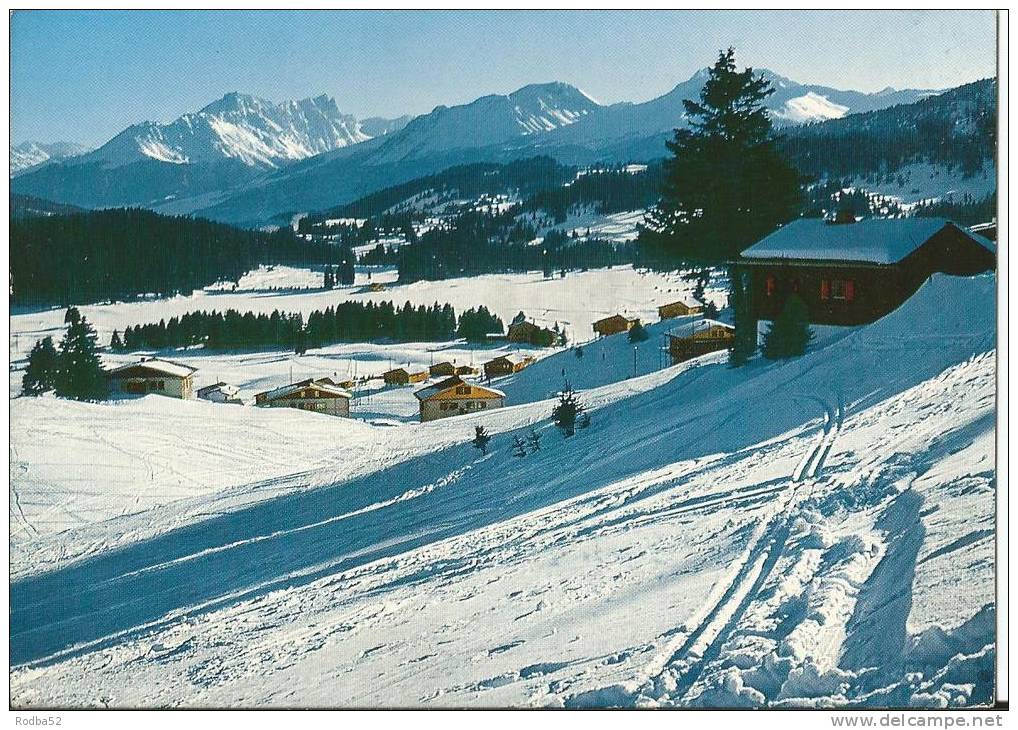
x: 689, y: 568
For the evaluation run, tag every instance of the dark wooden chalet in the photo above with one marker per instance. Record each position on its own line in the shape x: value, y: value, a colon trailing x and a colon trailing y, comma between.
x: 403, y: 376
x: 854, y: 273
x: 699, y: 338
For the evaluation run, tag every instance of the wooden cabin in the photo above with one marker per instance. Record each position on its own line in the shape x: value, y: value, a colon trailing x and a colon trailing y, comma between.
x: 613, y: 325
x: 319, y: 396
x: 442, y: 369
x: 455, y: 396
x: 852, y: 273
x: 521, y: 331
x: 467, y: 370
x: 506, y: 364
x: 699, y: 338
x: 152, y: 375
x: 682, y: 308
x: 524, y: 332
x: 220, y: 393
x: 403, y: 376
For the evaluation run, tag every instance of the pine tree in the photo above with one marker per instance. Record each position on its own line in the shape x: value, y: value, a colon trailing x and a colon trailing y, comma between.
x: 534, y: 441
x: 115, y: 342
x: 637, y: 333
x: 481, y: 439
x: 790, y: 334
x: 41, y: 372
x: 346, y: 271
x: 72, y: 315
x: 519, y: 446
x: 80, y: 373
x: 726, y: 185
x: 566, y: 411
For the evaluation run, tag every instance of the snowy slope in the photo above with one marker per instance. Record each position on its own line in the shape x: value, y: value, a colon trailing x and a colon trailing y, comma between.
x: 920, y: 182
x: 787, y: 533
x: 575, y: 302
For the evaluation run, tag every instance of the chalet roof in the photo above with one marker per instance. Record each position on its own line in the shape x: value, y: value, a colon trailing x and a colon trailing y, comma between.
x: 513, y: 357
x: 452, y: 382
x: 873, y: 240
x: 612, y: 318
x: 691, y: 328
x: 323, y: 384
x: 687, y: 300
x: 986, y: 230
x: 527, y: 324
x: 159, y: 367
x: 225, y: 387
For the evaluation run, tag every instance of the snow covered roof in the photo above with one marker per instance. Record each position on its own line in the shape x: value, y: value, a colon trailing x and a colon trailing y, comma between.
x: 432, y: 390
x: 687, y: 299
x: 224, y: 387
x: 690, y: 328
x: 161, y: 367
x: 514, y: 357
x: 613, y: 318
x: 874, y: 240
x: 323, y: 384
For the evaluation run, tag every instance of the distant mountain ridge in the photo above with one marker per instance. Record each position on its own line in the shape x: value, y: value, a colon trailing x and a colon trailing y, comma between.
x: 238, y: 126
x: 29, y: 155
x: 244, y: 160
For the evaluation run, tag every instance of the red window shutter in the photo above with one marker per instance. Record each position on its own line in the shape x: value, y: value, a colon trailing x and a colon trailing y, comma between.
x: 849, y: 290
x: 825, y: 289
x: 770, y: 286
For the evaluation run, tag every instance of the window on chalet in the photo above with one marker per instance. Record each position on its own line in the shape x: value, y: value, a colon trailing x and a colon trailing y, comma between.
x: 843, y: 290
x: 462, y: 390
x: 770, y: 286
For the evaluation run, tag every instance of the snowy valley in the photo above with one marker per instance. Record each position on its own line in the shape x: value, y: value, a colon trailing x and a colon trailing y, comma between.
x: 746, y: 544
x: 529, y: 401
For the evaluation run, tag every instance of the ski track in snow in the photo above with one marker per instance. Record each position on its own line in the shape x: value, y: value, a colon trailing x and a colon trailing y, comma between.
x: 714, y: 538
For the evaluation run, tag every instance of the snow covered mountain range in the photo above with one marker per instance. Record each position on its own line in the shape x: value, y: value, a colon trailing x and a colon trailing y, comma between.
x: 254, y: 131
x: 29, y: 155
x: 243, y: 159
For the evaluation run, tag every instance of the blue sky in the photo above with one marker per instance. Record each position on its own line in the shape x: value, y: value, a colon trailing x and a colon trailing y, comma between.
x: 84, y: 76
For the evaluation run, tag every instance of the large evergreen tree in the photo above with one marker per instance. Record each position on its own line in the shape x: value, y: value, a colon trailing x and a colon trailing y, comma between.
x: 80, y: 374
x: 346, y: 273
x: 725, y: 185
x: 790, y: 334
x: 41, y: 373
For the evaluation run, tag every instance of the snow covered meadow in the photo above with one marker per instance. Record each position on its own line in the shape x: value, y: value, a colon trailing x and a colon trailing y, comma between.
x: 784, y: 534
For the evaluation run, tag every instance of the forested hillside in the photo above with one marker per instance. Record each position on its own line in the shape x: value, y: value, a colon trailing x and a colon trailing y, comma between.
x: 464, y: 181
x: 111, y: 254
x: 957, y: 129
x: 28, y: 206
